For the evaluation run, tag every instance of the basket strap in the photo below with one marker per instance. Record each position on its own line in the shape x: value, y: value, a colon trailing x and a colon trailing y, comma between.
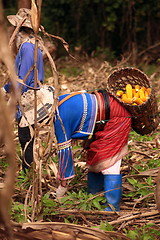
x: 106, y: 102
x: 68, y: 96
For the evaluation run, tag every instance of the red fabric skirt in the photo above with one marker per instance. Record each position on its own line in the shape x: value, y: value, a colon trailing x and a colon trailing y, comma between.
x: 114, y: 136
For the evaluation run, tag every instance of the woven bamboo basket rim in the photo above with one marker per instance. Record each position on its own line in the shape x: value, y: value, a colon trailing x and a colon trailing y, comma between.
x: 131, y: 70
x: 145, y: 116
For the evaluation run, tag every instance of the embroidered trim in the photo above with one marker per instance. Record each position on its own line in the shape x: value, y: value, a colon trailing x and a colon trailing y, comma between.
x: 66, y: 164
x: 85, y: 133
x: 84, y: 112
x: 94, y: 108
x: 64, y: 145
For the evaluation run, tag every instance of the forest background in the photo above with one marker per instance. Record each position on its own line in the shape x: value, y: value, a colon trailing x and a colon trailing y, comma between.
x: 109, y: 28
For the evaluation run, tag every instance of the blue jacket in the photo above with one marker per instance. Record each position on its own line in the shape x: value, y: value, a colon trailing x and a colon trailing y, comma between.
x: 24, y: 62
x: 75, y: 119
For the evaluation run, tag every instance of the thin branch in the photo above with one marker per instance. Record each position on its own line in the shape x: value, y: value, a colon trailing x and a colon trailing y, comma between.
x: 138, y: 215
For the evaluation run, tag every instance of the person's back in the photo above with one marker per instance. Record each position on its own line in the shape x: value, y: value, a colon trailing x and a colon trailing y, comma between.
x: 25, y: 63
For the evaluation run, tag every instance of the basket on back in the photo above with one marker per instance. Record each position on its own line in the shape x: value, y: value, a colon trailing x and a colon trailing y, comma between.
x: 145, y: 117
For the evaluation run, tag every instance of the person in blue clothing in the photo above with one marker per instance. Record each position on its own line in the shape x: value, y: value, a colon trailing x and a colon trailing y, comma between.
x: 24, y: 65
x: 81, y: 115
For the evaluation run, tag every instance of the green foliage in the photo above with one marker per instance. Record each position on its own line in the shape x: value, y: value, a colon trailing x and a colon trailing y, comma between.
x: 137, y: 137
x: 133, y: 234
x: 23, y: 180
x: 48, y: 205
x: 54, y: 159
x: 3, y: 164
x: 17, y: 212
x: 105, y: 226
x: 146, y: 232
x: 152, y: 163
x: 72, y: 220
x: 107, y: 24
x: 141, y: 189
x: 78, y: 175
x: 83, y: 201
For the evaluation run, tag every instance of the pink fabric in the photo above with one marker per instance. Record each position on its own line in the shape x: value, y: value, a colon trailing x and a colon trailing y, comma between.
x: 115, y: 169
x: 108, y: 162
x: 113, y: 138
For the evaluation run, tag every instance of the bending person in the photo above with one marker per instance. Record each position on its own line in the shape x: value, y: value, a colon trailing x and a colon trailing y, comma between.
x: 80, y: 117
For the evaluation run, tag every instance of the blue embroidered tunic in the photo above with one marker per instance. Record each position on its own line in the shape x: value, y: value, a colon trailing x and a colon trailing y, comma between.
x: 75, y: 119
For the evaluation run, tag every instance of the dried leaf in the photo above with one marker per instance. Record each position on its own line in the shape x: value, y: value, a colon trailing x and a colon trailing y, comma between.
x: 34, y: 17
x: 62, y: 236
x: 54, y: 169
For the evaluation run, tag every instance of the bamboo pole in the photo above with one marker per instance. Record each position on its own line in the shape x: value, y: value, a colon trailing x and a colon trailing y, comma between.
x: 36, y: 197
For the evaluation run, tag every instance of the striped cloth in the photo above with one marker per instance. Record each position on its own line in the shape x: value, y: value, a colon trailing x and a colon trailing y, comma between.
x: 112, y: 140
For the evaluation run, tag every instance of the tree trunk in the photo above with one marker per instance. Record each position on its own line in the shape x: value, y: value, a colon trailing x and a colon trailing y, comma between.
x: 24, y: 4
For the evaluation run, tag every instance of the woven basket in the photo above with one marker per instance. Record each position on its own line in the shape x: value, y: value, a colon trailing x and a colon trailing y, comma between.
x: 145, y: 116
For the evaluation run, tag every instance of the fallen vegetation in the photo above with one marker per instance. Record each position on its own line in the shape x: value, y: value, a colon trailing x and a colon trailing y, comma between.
x: 77, y: 211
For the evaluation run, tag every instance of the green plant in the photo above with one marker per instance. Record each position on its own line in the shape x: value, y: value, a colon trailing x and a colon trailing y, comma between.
x: 105, y: 226
x: 79, y: 177
x: 24, y: 181
x: 83, y: 201
x: 54, y: 159
x: 49, y: 205
x: 3, y: 164
x: 153, y: 163
x: 150, y: 164
x: 146, y: 232
x: 72, y: 218
x: 17, y: 212
x: 141, y: 189
x: 137, y: 137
